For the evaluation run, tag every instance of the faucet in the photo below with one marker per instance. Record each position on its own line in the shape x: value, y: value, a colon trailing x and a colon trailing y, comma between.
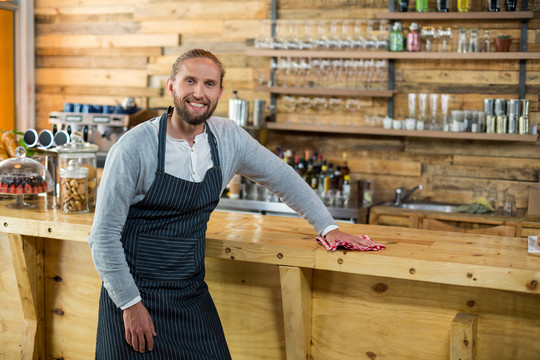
x: 401, y: 198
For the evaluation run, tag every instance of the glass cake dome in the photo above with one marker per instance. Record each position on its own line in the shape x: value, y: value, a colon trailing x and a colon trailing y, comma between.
x: 21, y: 176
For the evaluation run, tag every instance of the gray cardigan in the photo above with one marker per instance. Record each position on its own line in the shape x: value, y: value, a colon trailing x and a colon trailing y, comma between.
x: 130, y: 169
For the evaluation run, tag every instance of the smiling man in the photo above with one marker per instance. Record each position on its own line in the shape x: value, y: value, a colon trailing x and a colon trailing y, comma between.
x: 161, y: 182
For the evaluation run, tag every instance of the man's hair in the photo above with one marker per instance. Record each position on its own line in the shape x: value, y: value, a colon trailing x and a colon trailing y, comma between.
x: 197, y: 53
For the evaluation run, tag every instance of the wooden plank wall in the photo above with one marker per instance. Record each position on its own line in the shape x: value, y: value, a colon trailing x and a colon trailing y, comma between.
x: 99, y: 52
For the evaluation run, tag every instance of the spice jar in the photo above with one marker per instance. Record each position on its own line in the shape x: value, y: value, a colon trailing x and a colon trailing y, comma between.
x: 86, y: 155
x: 74, y: 188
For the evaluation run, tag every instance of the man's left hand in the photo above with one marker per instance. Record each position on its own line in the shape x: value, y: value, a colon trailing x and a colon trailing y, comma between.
x: 335, y: 235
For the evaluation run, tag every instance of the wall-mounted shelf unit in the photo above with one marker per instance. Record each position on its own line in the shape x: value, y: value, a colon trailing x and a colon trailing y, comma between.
x: 473, y: 15
x: 522, y: 56
x: 420, y: 55
x: 359, y: 130
x: 324, y: 92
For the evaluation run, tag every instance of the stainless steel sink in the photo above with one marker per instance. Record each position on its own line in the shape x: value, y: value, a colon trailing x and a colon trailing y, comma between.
x: 426, y: 206
x: 429, y: 207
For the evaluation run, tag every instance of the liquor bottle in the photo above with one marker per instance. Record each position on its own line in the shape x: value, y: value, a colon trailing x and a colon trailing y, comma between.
x: 442, y: 5
x: 328, y: 195
x: 464, y: 5
x: 403, y: 5
x: 494, y: 5
x: 300, y: 167
x: 310, y: 177
x: 511, y: 5
x: 413, y: 38
x: 337, y: 180
x: 396, y: 37
x: 345, y: 168
x: 422, y: 6
x: 321, y: 178
x: 346, y: 192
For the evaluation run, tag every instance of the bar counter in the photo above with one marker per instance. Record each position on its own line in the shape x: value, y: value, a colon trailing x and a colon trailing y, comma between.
x: 280, y: 295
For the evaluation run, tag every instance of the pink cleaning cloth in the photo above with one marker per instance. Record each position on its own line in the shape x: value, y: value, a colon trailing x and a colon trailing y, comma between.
x: 350, y: 246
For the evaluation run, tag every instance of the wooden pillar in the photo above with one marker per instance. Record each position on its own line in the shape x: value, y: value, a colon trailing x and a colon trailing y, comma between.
x: 296, y: 299
x: 27, y: 254
x: 463, y: 337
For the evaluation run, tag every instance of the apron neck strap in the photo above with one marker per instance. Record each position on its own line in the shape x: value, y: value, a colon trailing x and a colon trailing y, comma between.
x: 162, y: 139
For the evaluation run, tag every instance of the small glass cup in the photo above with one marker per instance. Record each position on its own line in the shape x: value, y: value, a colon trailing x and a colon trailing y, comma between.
x: 509, y: 207
x: 478, y: 192
x: 493, y: 197
x: 412, y: 105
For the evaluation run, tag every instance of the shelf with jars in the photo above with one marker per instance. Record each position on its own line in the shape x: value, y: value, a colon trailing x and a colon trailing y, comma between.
x: 366, y: 130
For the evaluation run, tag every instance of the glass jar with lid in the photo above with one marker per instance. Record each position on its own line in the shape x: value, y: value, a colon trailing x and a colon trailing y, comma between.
x: 86, y: 155
x: 21, y: 176
x: 74, y: 188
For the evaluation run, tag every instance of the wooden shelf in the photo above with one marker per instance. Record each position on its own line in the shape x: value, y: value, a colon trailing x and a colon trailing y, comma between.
x: 473, y: 15
x: 420, y: 55
x: 357, y: 130
x: 325, y: 92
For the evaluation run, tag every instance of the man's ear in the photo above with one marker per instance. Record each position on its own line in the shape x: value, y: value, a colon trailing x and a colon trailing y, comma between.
x: 169, y: 87
x: 220, y: 93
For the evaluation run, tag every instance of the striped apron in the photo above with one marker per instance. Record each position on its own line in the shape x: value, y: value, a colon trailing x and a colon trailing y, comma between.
x: 164, y: 243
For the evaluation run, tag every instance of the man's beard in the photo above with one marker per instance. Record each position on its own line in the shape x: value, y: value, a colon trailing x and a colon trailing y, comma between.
x: 181, y: 109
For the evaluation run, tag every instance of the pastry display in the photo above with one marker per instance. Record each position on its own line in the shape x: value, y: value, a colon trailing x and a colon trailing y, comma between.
x: 22, y: 184
x: 21, y: 176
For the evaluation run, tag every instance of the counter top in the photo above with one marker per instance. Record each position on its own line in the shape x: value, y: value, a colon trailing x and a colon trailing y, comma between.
x: 495, y: 217
x: 463, y: 259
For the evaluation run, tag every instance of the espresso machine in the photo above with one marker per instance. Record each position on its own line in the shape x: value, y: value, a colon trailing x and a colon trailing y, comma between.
x: 99, y: 128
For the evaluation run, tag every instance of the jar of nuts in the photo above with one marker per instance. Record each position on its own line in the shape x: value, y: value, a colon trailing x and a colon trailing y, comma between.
x: 85, y: 154
x: 74, y: 188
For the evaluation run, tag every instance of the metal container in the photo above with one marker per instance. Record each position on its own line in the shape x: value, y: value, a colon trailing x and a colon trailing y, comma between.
x: 513, y: 107
x: 489, y: 105
x: 500, y: 107
x: 238, y: 110
x: 481, y: 121
x: 490, y: 124
x: 258, y: 113
x: 523, y: 122
x: 524, y: 110
x: 523, y: 125
x: 501, y: 124
x: 512, y: 124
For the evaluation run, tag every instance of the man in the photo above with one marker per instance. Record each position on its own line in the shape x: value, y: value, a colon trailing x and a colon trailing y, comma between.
x: 160, y: 184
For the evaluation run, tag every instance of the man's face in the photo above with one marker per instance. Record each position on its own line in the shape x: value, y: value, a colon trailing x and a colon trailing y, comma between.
x: 196, y: 90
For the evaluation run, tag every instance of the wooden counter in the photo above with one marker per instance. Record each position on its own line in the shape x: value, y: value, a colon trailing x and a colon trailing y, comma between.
x: 429, y: 295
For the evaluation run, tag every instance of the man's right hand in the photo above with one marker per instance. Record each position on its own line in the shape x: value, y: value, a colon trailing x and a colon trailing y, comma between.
x: 139, y: 327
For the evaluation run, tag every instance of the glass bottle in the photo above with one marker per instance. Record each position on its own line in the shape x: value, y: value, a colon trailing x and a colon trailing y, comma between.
x: 463, y: 5
x: 413, y: 38
x: 442, y: 5
x: 473, y: 41
x: 462, y: 41
x: 403, y: 5
x: 494, y: 5
x: 422, y: 6
x: 486, y: 44
x: 396, y: 37
x: 511, y: 5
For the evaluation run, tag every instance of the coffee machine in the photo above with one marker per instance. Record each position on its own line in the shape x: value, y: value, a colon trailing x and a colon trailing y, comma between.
x: 101, y: 129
